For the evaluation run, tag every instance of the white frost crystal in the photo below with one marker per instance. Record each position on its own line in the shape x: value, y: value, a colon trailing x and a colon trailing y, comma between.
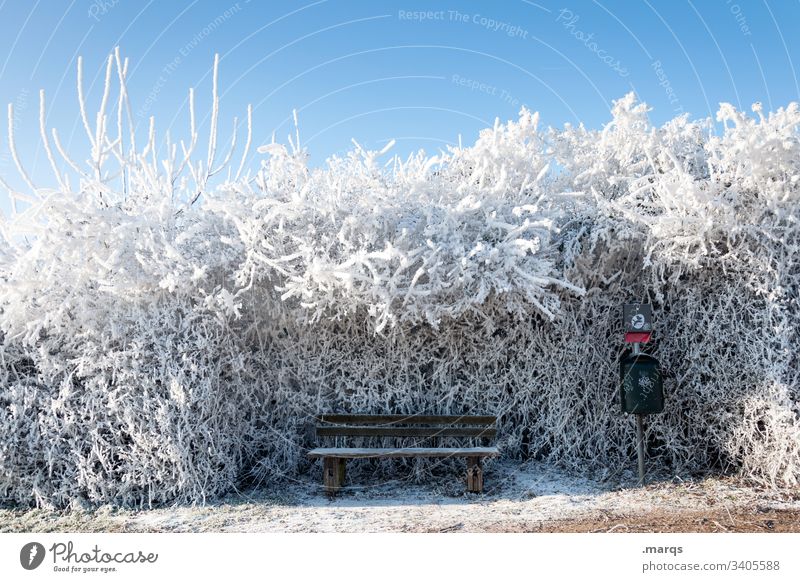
x: 167, y: 334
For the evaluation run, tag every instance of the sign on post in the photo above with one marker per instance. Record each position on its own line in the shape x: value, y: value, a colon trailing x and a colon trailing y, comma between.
x: 638, y: 320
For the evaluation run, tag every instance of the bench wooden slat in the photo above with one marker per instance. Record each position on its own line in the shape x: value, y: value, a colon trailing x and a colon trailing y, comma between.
x: 391, y: 431
x: 404, y: 419
x: 402, y: 425
x: 366, y: 453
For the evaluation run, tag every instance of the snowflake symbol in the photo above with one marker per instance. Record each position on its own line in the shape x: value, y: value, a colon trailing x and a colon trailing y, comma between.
x: 646, y: 385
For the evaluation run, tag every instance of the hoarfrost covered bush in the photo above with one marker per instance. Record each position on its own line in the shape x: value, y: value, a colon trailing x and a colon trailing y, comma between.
x: 167, y: 335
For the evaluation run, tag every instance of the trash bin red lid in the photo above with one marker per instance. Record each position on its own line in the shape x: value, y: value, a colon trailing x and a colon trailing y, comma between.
x: 637, y: 337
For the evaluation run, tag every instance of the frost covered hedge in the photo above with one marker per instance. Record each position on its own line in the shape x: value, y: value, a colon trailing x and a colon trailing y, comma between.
x: 167, y: 334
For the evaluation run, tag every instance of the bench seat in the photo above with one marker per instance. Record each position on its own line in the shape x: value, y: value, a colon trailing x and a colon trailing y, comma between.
x: 427, y: 430
x: 369, y: 453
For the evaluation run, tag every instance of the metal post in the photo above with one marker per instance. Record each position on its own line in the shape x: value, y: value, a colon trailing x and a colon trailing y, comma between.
x: 639, y: 429
x: 640, y: 446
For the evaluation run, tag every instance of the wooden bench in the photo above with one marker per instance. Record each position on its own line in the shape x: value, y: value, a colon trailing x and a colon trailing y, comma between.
x: 428, y: 429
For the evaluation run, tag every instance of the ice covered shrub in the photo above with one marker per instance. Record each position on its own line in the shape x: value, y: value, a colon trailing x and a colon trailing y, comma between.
x: 122, y: 380
x: 169, y: 330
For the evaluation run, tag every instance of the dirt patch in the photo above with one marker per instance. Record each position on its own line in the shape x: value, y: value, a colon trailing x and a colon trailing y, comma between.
x: 780, y: 521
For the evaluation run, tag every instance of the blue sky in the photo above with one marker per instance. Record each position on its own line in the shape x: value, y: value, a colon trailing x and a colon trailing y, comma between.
x: 419, y: 72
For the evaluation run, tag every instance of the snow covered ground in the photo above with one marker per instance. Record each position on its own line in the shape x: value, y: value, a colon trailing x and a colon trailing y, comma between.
x: 519, y: 497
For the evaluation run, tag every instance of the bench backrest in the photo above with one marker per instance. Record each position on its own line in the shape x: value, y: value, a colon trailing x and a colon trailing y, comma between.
x: 405, y: 425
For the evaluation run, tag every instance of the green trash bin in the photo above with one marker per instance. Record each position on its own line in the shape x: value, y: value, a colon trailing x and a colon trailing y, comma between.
x: 641, y: 387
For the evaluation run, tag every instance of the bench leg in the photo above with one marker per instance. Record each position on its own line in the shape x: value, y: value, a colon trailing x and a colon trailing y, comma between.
x: 474, y: 475
x: 333, y: 471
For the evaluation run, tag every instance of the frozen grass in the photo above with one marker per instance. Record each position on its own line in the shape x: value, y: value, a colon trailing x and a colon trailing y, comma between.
x: 520, y: 497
